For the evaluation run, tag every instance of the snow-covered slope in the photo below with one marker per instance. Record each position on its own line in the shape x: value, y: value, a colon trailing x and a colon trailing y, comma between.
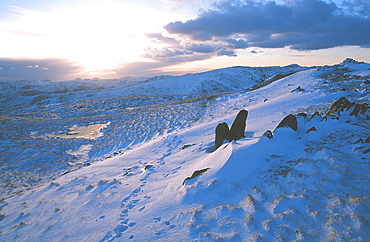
x: 24, y: 93
x: 306, y: 185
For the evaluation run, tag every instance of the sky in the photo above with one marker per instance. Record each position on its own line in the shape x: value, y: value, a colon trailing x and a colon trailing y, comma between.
x: 68, y: 39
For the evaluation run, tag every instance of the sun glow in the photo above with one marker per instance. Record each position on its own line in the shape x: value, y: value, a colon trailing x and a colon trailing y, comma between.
x: 98, y: 36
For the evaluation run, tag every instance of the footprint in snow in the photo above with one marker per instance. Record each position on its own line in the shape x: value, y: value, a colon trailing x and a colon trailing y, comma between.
x: 171, y: 172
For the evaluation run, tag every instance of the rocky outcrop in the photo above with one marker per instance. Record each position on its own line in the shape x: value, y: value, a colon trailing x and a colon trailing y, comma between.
x: 238, y: 126
x: 289, y: 121
x: 343, y: 105
x: 222, y: 134
x: 236, y: 132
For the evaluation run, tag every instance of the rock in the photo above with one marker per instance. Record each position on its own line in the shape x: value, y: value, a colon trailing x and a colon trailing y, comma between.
x: 238, y: 126
x: 367, y: 140
x: 359, y: 109
x: 147, y: 167
x: 359, y: 141
x: 222, y: 133
x: 313, y: 128
x: 186, y: 146
x: 302, y: 115
x: 339, y: 106
x: 289, y: 121
x: 299, y: 89
x: 317, y: 117
x: 344, y: 105
x: 268, y: 134
x: 195, y: 174
x: 351, y: 61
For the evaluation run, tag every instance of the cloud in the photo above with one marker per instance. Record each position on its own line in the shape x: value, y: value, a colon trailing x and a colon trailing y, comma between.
x: 202, y: 48
x: 230, y: 53
x: 297, y: 24
x: 238, y: 43
x: 38, y: 69
x: 158, y: 37
x: 159, y: 65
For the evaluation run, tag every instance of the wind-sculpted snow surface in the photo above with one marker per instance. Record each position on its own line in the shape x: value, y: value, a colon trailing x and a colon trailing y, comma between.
x: 38, y: 135
x: 310, y: 184
x: 42, y: 142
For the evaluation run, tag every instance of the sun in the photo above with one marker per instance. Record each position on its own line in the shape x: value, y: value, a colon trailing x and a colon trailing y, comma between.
x: 98, y: 35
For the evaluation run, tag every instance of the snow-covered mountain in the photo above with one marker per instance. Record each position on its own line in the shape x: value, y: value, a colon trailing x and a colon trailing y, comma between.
x: 217, y: 81
x: 126, y: 159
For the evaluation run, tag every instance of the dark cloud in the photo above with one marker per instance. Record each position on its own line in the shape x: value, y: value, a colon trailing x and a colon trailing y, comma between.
x: 230, y: 53
x: 202, y: 48
x: 238, y: 43
x: 299, y: 24
x: 166, y: 53
x: 37, y: 69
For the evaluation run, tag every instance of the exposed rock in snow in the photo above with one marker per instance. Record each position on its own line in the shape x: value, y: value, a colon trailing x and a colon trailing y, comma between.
x: 343, y: 105
x: 289, y: 121
x: 238, y: 127
x: 351, y: 61
x: 222, y: 134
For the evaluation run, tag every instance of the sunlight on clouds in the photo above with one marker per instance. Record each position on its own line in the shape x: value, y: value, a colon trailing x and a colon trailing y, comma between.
x: 99, y: 35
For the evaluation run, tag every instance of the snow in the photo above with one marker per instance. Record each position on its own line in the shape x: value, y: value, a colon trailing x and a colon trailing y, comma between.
x: 299, y: 185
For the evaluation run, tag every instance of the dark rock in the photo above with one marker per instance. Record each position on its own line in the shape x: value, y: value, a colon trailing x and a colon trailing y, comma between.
x: 367, y: 140
x: 313, y: 128
x: 268, y: 134
x: 289, y: 121
x: 359, y: 141
x: 316, y: 114
x: 186, y: 146
x: 195, y: 174
x: 344, y: 105
x: 299, y: 89
x: 222, y: 134
x: 302, y: 115
x: 339, y: 106
x: 367, y: 82
x: 238, y: 126
x: 147, y: 167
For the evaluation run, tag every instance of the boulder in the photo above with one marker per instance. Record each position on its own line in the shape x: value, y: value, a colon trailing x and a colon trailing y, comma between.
x: 238, y: 126
x: 289, y: 121
x: 222, y: 134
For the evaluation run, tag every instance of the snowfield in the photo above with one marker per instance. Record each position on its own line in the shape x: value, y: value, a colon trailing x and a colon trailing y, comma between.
x: 118, y: 168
